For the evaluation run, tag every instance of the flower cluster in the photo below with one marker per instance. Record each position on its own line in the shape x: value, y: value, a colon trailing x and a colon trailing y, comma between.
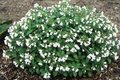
x: 62, y: 40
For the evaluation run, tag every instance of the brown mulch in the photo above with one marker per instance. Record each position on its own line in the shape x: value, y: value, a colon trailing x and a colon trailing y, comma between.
x: 15, y: 9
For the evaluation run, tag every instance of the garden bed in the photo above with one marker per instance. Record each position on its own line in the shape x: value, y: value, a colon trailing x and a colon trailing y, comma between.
x: 15, y: 9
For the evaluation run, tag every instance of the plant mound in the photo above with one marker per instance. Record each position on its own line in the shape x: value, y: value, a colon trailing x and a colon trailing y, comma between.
x: 62, y: 40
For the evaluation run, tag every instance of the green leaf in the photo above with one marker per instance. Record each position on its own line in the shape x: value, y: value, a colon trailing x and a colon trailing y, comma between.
x: 37, y: 71
x: 65, y: 74
x: 109, y: 61
x: 28, y: 32
x: 71, y: 75
x: 14, y: 55
x: 55, y: 73
x: 42, y: 71
x: 31, y: 71
x: 75, y: 56
x: 89, y: 74
x: 80, y: 73
x: 74, y: 74
x: 3, y: 28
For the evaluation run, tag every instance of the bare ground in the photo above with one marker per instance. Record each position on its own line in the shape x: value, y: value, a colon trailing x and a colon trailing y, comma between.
x: 15, y: 9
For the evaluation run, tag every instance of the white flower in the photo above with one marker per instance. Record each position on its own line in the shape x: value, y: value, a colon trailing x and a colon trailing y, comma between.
x: 96, y: 38
x: 57, y: 68
x: 110, y: 36
x: 62, y: 68
x: 26, y: 55
x: 61, y: 13
x: 20, y: 60
x: 98, y: 59
x: 45, y: 54
x: 67, y: 49
x: 102, y: 68
x: 41, y: 53
x: 56, y: 44
x: 105, y: 65
x: 5, y: 55
x: 65, y: 36
x: 44, y: 41
x: 87, y: 17
x: 94, y: 23
x: 86, y: 44
x: 106, y: 54
x: 7, y: 39
x: 67, y: 68
x: 96, y: 53
x: 75, y: 35
x: 91, y: 56
x: 77, y: 47
x: 69, y: 40
x: 116, y: 29
x: 39, y: 14
x: 34, y: 67
x: 94, y: 9
x: 42, y: 45
x: 15, y: 63
x: 18, y: 43
x: 55, y: 33
x: 10, y: 45
x: 63, y: 47
x: 73, y: 50
x: 13, y: 34
x: 51, y: 33
x: 53, y: 25
x: 36, y: 5
x: 51, y: 68
x: 48, y: 34
x: 116, y: 57
x: 21, y: 55
x: 28, y: 13
x: 11, y: 29
x: 73, y: 69
x: 28, y: 58
x: 47, y: 61
x: 93, y: 68
x: 28, y: 43
x: 27, y: 61
x: 58, y: 20
x: 40, y: 64
x: 46, y: 75
x: 82, y: 19
x: 83, y: 50
x: 50, y: 44
x: 22, y: 34
x: 59, y: 35
x: 43, y: 28
x: 21, y: 66
x: 84, y: 65
x: 71, y: 20
x: 76, y: 70
x: 63, y: 59
x: 24, y: 26
x: 76, y: 22
x: 113, y: 43
x: 81, y: 42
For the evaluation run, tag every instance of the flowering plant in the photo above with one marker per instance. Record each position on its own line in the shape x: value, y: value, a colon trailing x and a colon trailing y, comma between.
x: 62, y: 39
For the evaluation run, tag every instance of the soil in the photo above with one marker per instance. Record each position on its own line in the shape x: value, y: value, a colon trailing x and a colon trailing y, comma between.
x: 16, y: 9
